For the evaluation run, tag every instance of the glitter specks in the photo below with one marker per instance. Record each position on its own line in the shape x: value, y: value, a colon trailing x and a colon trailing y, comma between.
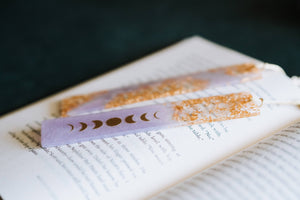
x: 216, y: 108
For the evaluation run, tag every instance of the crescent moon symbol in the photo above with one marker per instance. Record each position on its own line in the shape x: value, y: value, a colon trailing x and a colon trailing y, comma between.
x: 84, y: 125
x: 97, y: 123
x: 129, y: 119
x: 72, y: 127
x: 143, y: 117
x: 155, y: 115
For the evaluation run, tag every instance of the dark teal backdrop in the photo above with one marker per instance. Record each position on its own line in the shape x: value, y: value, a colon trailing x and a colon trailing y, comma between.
x: 47, y: 45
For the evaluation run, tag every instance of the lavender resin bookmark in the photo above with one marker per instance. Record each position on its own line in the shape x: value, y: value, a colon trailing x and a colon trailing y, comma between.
x: 92, y: 103
x: 153, y: 117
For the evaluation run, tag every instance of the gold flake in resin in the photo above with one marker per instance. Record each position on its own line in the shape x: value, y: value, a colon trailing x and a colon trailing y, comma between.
x: 241, y: 69
x: 216, y: 108
x: 166, y: 88
x: 75, y: 101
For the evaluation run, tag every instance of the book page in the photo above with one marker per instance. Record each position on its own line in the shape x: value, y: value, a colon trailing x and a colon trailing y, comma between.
x: 268, y: 170
x: 139, y: 165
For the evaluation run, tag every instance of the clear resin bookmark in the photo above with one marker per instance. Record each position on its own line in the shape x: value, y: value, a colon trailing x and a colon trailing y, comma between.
x: 93, y: 103
x: 153, y: 117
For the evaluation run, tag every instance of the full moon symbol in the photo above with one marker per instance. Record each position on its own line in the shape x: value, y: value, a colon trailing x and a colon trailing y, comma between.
x: 113, y: 121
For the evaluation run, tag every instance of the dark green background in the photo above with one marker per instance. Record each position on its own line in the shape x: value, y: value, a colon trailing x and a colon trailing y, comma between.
x: 47, y: 46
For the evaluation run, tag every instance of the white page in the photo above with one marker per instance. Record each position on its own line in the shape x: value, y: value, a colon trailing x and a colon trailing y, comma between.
x: 268, y: 170
x: 139, y: 165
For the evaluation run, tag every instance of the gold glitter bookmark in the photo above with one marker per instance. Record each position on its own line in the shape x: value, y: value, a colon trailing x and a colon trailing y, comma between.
x: 145, y: 118
x: 96, y: 102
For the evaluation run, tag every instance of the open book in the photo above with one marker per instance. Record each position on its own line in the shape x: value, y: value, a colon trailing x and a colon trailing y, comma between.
x: 199, y: 161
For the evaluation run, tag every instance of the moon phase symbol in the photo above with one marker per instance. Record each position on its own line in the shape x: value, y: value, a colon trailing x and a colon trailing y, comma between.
x: 97, y: 123
x: 113, y: 121
x: 84, y: 125
x: 129, y: 119
x: 155, y: 115
x: 72, y: 127
x: 143, y: 117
